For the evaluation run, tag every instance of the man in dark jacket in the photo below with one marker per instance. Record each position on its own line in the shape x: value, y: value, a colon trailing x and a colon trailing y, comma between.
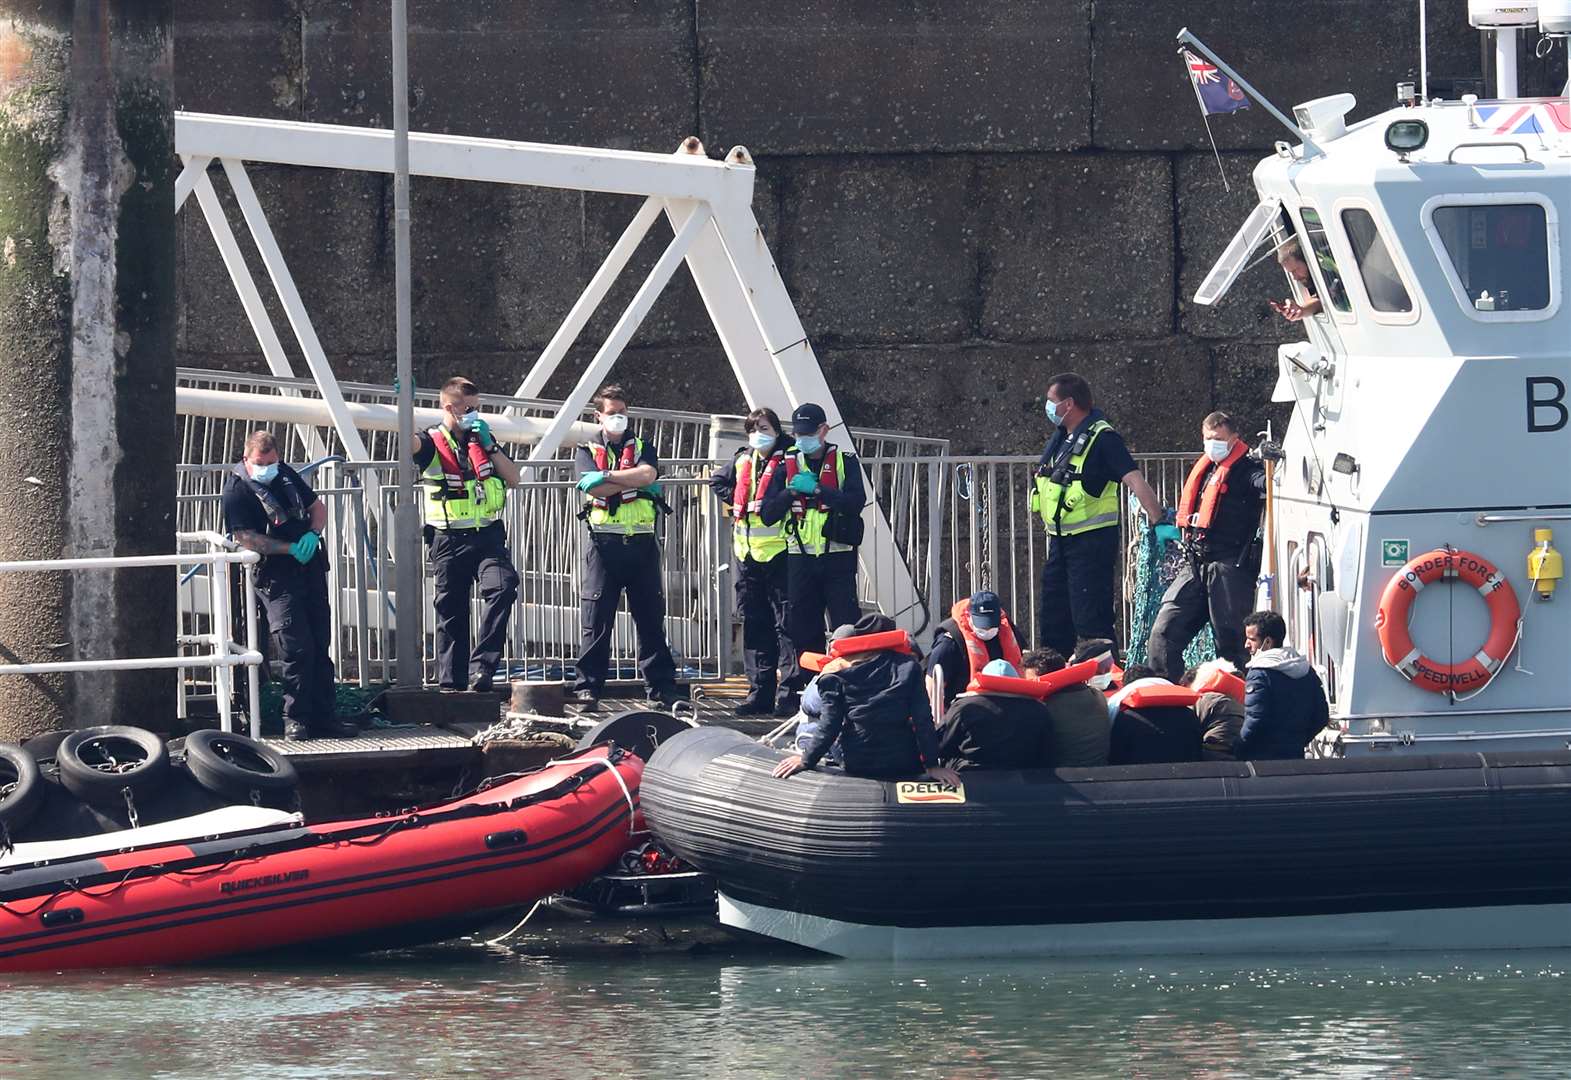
x: 1153, y: 734
x: 1284, y: 700
x: 991, y: 730
x: 876, y: 704
x: 1077, y: 715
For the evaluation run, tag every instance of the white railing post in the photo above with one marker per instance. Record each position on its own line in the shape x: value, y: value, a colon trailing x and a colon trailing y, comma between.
x: 223, y: 674
x: 253, y: 674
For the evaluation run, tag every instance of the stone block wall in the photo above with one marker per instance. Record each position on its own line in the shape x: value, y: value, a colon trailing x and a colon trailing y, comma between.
x: 964, y: 198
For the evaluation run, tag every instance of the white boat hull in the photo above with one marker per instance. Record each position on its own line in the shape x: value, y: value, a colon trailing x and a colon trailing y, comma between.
x: 1517, y: 927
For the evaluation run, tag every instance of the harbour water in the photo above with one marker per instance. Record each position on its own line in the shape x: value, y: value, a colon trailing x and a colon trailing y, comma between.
x: 467, y: 1010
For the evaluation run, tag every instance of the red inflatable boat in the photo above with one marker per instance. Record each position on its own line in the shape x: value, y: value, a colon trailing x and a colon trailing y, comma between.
x: 377, y: 881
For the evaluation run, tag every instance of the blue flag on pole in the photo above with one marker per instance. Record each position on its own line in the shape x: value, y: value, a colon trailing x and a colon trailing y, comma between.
x: 1217, y: 93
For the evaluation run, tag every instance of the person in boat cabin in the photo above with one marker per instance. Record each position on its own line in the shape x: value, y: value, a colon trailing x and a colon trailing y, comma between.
x: 269, y: 509
x: 758, y: 557
x: 1219, y: 521
x: 1284, y: 700
x: 875, y: 703
x: 1151, y: 733
x: 992, y: 729
x: 1077, y: 715
x: 1290, y: 257
x: 618, y: 474
x: 977, y: 631
x: 464, y: 475
x: 817, y: 499
x: 1075, y: 491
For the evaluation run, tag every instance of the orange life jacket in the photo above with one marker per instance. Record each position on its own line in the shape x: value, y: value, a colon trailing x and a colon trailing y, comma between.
x: 748, y: 497
x: 453, y: 477
x: 828, y: 480
x: 1218, y: 681
x: 889, y: 641
x: 983, y: 683
x: 976, y: 648
x: 1073, y: 675
x: 812, y: 661
x: 628, y: 459
x: 1197, y: 507
x: 1158, y: 695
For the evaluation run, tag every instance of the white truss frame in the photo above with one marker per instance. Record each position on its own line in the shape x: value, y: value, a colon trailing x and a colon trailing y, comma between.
x: 709, y: 207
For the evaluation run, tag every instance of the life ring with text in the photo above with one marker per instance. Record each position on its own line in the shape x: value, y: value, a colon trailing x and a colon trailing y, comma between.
x: 1396, y: 608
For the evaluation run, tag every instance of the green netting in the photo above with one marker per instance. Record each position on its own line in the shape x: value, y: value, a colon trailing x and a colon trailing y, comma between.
x: 1155, y: 565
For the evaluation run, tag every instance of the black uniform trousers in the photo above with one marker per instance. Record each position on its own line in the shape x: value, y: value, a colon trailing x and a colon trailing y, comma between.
x: 460, y: 559
x: 301, y: 627
x: 816, y: 584
x: 615, y: 563
x: 761, y: 597
x: 1221, y: 592
x: 1075, y: 602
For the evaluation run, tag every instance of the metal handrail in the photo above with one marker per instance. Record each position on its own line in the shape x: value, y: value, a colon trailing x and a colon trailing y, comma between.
x: 224, y: 655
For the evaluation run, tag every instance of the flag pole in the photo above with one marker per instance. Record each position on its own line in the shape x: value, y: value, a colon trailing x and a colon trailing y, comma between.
x: 1186, y: 38
x: 1205, y: 117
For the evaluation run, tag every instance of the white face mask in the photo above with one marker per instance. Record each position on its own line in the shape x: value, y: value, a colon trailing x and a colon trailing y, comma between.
x: 1100, y: 682
x: 263, y: 474
x: 761, y: 440
x: 985, y: 635
x: 614, y: 424
x: 468, y: 419
x: 1217, y: 449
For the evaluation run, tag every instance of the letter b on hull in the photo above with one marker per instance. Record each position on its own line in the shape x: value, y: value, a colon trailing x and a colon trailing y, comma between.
x: 1546, y: 404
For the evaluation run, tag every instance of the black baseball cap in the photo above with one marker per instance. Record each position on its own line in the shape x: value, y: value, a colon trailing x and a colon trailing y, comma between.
x: 807, y: 419
x: 986, y: 610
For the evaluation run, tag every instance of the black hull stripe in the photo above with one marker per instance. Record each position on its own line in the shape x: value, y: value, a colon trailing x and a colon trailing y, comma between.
x: 618, y: 809
x: 307, y: 901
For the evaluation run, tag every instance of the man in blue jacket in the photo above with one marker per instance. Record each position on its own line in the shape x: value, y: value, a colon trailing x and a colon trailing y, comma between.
x: 876, y: 704
x: 1284, y: 701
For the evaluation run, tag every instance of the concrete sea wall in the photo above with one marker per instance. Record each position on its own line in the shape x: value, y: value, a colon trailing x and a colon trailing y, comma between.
x: 963, y: 197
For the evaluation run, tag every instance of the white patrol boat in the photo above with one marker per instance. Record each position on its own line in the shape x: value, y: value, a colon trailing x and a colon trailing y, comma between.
x: 1414, y: 523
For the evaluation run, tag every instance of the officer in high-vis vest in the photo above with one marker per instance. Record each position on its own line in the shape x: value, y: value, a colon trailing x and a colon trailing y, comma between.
x: 618, y: 474
x: 1219, y: 516
x: 758, y: 560
x: 1075, y: 490
x: 818, y: 499
x: 465, y: 476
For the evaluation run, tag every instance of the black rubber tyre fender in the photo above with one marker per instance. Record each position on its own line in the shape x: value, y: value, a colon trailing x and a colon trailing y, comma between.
x: 22, y: 787
x: 43, y: 747
x: 235, y: 766
x: 638, y: 732
x: 96, y: 764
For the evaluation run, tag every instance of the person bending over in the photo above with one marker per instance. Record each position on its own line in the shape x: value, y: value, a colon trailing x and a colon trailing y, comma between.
x: 877, y: 706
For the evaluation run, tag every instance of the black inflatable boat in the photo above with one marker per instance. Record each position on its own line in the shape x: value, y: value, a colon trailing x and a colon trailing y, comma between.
x: 1464, y: 851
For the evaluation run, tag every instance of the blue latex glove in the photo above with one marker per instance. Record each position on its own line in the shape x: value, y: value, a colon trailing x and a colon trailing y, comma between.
x: 304, y: 549
x: 804, y: 483
x: 1165, y: 533
x: 590, y: 480
x: 482, y: 431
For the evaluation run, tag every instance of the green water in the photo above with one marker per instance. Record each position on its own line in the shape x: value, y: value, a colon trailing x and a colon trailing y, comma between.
x: 468, y: 1010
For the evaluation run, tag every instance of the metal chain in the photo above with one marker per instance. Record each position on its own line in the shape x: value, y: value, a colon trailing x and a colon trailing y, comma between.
x: 966, y: 487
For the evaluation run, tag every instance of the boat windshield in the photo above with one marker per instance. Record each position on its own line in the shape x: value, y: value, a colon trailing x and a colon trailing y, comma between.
x: 1315, y: 230
x: 1375, y: 265
x: 1500, y: 253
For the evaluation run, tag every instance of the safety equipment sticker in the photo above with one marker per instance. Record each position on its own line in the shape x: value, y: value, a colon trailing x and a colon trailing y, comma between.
x: 929, y: 791
x: 1393, y: 552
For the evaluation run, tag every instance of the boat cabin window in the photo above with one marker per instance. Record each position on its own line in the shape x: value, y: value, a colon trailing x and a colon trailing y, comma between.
x: 1315, y: 231
x: 1500, y: 252
x: 1375, y: 265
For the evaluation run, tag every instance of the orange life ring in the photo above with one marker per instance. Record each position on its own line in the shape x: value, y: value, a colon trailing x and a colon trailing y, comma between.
x: 1396, y: 608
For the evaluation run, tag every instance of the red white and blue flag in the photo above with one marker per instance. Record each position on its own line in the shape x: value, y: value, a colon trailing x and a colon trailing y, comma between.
x: 1217, y: 93
x: 1545, y: 118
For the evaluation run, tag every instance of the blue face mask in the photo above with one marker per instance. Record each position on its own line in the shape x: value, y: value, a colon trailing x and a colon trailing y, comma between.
x: 809, y: 444
x: 1054, y: 417
x: 264, y: 474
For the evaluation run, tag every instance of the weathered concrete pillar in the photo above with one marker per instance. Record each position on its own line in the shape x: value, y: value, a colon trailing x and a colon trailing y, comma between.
x: 86, y: 353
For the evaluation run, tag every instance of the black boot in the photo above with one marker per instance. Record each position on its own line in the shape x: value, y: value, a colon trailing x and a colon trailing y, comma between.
x: 759, y: 702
